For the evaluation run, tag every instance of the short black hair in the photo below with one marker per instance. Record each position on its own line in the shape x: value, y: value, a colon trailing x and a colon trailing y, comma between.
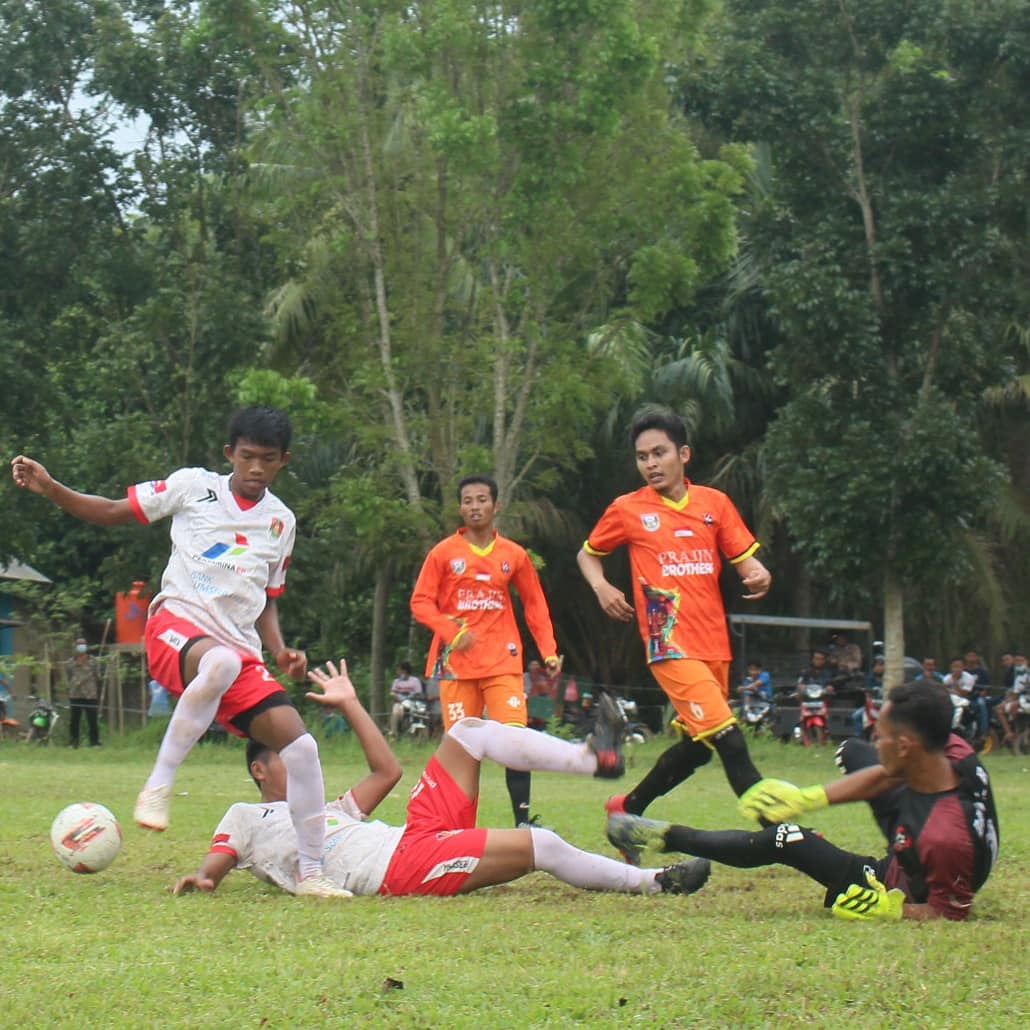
x: 405, y: 667
x: 924, y: 708
x: 263, y: 425
x: 662, y: 419
x: 487, y: 481
x: 255, y: 751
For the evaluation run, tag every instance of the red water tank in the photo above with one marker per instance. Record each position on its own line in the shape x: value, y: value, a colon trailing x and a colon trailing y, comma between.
x: 130, y: 614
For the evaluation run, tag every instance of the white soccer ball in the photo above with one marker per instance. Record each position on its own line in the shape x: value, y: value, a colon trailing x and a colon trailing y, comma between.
x: 86, y: 837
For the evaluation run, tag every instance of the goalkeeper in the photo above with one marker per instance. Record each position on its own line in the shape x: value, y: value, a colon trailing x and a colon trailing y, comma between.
x: 928, y: 792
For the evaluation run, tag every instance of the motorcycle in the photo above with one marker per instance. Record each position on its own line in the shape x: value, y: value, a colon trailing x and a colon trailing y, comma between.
x: 41, y: 721
x: 635, y: 731
x: 756, y: 713
x: 815, y: 714
x: 416, y: 718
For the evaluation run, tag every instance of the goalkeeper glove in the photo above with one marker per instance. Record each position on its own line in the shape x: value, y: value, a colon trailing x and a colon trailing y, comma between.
x: 777, y: 801
x: 872, y: 902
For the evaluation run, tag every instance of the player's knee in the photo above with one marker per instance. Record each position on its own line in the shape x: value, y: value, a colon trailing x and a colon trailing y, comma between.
x: 730, y: 744
x: 220, y: 666
x: 468, y: 732
x: 545, y: 847
x: 303, y: 751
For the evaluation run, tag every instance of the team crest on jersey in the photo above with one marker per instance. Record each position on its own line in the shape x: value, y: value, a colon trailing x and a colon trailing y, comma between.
x: 901, y: 839
x: 513, y: 649
x: 650, y: 522
x: 505, y: 567
x: 275, y: 528
x: 708, y: 519
x: 457, y: 566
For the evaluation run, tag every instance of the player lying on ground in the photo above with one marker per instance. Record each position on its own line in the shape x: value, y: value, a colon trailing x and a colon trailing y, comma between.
x: 439, y: 850
x: 928, y: 792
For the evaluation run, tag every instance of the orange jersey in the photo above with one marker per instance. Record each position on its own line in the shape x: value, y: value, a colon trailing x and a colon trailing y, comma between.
x: 675, y: 553
x: 465, y: 587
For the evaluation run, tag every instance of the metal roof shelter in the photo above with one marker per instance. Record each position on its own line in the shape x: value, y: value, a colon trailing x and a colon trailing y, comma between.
x: 19, y: 570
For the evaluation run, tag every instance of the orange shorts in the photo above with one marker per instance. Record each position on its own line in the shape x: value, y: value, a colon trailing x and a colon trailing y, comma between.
x: 501, y: 696
x: 699, y: 691
x: 167, y: 634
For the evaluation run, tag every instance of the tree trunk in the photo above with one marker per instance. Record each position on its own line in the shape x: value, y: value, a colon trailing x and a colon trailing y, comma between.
x: 377, y: 687
x: 893, y: 629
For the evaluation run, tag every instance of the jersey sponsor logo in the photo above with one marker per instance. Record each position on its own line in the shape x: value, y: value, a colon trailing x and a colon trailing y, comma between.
x: 483, y: 577
x: 464, y: 864
x: 176, y: 641
x: 275, y: 528
x: 444, y: 834
x: 239, y: 546
x: 651, y: 522
x: 683, y: 532
x: 480, y: 600
x: 457, y: 566
x: 788, y: 833
x: 688, y: 568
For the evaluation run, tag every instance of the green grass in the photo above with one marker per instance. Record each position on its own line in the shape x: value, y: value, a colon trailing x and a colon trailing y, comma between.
x: 751, y: 949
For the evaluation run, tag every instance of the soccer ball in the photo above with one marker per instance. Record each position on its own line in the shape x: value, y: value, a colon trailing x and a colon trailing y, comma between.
x: 86, y: 837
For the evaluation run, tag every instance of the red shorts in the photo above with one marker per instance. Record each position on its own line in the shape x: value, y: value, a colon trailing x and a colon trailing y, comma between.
x: 167, y: 634
x: 441, y: 844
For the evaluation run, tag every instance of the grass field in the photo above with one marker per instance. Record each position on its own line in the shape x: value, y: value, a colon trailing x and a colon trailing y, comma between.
x: 751, y: 949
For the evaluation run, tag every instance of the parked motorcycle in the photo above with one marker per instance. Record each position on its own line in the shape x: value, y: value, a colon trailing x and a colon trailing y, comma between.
x: 813, y: 729
x: 756, y: 713
x: 415, y: 722
x: 41, y: 721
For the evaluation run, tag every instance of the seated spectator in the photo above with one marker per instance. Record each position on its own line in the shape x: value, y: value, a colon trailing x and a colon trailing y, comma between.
x: 1009, y: 707
x: 864, y: 716
x: 963, y: 683
x: 404, y: 686
x: 981, y: 691
x: 1008, y: 665
x: 930, y: 671
x: 845, y: 656
x: 818, y: 669
x: 757, y: 682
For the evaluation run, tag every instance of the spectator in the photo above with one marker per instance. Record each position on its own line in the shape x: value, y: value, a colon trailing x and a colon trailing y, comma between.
x: 82, y: 676
x: 975, y: 668
x: 1007, y: 710
x: 930, y: 671
x: 405, y: 685
x: 844, y: 655
x: 1008, y: 664
x: 818, y: 669
x: 757, y: 681
x: 864, y: 715
x: 963, y: 684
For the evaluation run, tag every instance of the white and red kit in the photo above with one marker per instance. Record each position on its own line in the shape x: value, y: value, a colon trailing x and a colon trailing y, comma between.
x: 228, y: 557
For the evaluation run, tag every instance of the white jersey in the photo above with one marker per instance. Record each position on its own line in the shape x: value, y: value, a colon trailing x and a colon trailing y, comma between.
x: 261, y: 838
x: 226, y: 561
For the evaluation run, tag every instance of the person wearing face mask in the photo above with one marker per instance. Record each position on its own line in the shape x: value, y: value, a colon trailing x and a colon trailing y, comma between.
x: 82, y: 677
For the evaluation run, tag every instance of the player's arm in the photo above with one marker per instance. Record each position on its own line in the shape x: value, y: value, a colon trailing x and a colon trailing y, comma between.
x: 425, y: 607
x: 212, y: 871
x: 337, y: 691
x: 538, y: 615
x: 101, y: 511
x: 293, y: 662
x: 611, y: 599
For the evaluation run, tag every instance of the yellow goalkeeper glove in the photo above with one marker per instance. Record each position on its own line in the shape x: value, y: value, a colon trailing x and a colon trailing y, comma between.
x: 777, y: 801
x: 872, y: 902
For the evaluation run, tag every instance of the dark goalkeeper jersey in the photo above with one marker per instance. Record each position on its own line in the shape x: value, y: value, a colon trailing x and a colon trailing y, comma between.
x: 945, y: 844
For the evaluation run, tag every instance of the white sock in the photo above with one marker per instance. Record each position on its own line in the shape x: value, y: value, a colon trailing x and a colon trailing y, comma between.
x: 305, y: 794
x: 194, y: 712
x: 516, y: 747
x: 553, y: 855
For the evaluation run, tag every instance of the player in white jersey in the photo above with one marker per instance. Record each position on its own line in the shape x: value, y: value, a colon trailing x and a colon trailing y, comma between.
x: 439, y: 850
x: 231, y: 543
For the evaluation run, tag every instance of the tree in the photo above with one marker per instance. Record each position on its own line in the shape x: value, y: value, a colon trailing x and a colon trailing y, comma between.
x: 885, y: 247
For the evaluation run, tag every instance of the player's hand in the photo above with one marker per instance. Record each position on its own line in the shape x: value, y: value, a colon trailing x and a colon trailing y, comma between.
x: 194, y: 882
x: 554, y: 664
x: 756, y: 582
x: 872, y: 902
x: 293, y: 663
x: 613, y: 602
x: 463, y: 641
x: 30, y: 475
x: 336, y: 685
x: 778, y: 801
